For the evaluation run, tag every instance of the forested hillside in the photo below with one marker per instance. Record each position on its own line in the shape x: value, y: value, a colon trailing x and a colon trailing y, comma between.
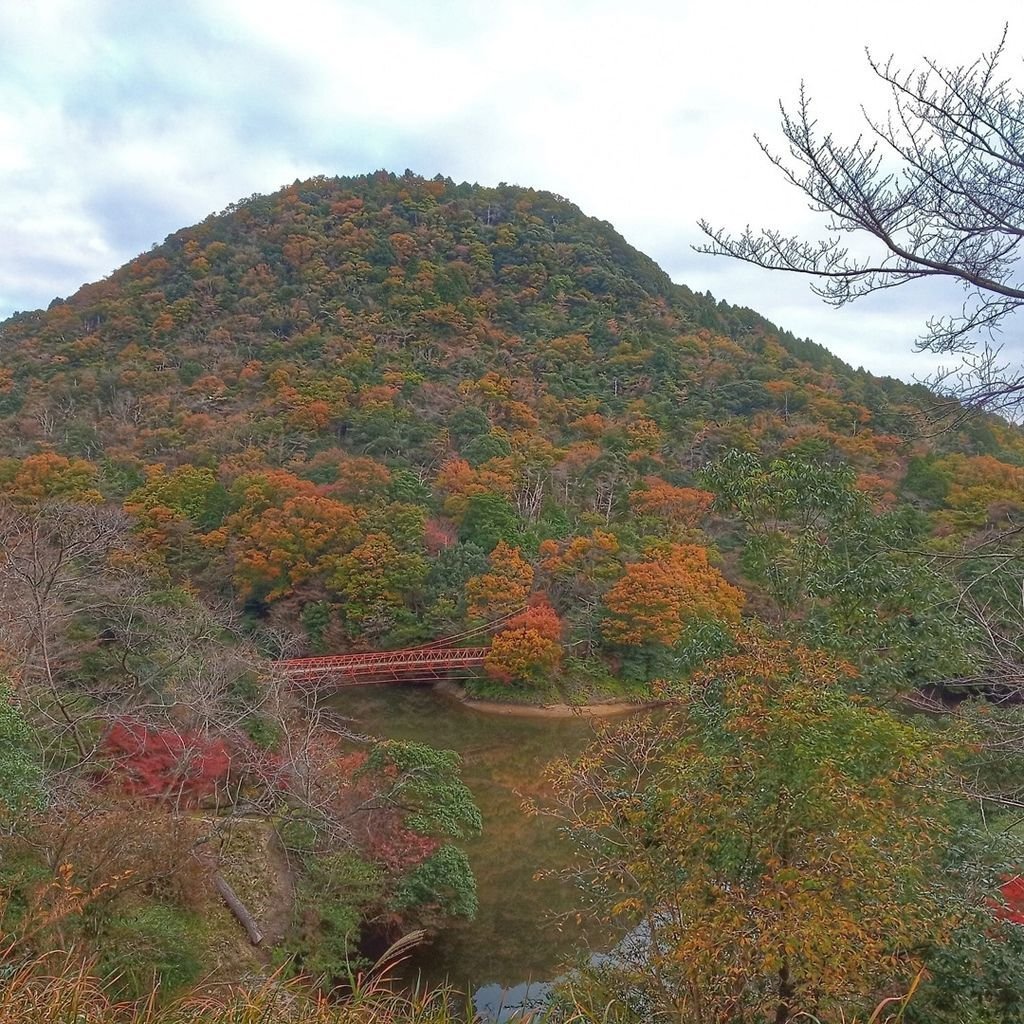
x: 330, y: 404
x: 367, y: 413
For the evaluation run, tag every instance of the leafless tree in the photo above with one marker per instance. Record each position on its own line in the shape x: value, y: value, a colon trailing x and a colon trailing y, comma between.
x: 988, y: 579
x: 936, y: 189
x: 47, y: 552
x: 94, y: 634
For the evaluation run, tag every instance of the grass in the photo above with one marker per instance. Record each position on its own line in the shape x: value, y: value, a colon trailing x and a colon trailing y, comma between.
x: 58, y: 989
x: 575, y: 686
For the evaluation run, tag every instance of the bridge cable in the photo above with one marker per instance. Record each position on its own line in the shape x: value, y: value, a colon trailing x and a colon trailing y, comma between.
x: 487, y: 627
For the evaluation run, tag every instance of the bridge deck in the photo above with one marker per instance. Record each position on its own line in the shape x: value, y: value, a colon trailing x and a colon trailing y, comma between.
x: 418, y: 664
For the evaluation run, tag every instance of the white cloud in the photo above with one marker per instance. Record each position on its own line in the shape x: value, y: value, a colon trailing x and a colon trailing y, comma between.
x: 123, y: 122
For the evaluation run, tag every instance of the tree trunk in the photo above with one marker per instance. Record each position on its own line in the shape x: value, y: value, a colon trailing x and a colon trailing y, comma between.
x: 783, y: 1009
x: 235, y: 905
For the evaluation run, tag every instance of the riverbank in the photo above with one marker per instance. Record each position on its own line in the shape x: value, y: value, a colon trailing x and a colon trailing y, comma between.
x: 513, y: 937
x: 599, y: 709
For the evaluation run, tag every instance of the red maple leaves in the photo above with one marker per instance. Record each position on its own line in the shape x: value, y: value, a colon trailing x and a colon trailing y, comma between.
x: 166, y: 763
x: 1012, y: 908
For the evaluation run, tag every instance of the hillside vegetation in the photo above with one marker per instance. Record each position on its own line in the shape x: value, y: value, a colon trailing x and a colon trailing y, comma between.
x: 330, y: 404
x: 368, y: 413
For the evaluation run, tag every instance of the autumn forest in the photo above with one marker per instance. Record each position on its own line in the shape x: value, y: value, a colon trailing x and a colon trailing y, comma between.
x: 368, y: 414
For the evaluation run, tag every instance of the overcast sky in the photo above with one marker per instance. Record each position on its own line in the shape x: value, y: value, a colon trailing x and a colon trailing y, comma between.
x: 124, y: 120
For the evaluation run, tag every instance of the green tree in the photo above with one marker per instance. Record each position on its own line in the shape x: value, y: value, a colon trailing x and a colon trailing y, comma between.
x: 425, y: 782
x: 489, y: 519
x: 774, y: 848
x: 376, y: 580
x: 977, y: 977
x: 337, y: 894
x: 188, y: 492
x: 444, y: 880
x: 444, y: 592
x: 467, y: 422
x: 926, y: 480
x: 486, y: 446
x: 841, y: 574
x: 20, y: 770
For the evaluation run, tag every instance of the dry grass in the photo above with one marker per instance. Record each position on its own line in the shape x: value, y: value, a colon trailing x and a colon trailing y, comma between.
x: 57, y: 989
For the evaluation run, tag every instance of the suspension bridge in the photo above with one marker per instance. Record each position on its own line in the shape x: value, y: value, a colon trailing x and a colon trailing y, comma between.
x: 446, y: 658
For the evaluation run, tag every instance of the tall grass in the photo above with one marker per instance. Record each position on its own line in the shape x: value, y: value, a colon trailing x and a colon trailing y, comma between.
x: 60, y: 989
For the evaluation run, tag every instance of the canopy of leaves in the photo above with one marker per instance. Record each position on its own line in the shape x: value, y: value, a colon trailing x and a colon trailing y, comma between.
x: 657, y: 598
x: 769, y: 832
x: 425, y: 783
x: 21, y: 774
x: 841, y: 572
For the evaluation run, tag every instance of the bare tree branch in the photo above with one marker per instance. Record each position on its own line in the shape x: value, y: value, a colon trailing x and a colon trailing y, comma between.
x: 937, y: 190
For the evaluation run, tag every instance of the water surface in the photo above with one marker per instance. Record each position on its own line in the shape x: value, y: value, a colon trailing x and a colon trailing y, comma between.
x: 524, y: 930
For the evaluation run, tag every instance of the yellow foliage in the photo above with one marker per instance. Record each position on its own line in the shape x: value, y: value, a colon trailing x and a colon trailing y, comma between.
x: 655, y: 599
x: 48, y: 475
x: 504, y: 589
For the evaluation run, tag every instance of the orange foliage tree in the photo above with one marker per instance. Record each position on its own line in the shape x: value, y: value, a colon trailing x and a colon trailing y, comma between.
x: 588, y: 554
x: 767, y: 831
x: 253, y: 493
x: 48, y: 475
x: 982, y: 489
x: 679, y: 507
x: 458, y: 481
x: 172, y: 504
x: 504, y: 588
x: 578, y: 570
x: 655, y: 599
x: 283, y: 547
x: 528, y: 648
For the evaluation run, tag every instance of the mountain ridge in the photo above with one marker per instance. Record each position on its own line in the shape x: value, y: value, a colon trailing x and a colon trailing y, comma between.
x: 496, y: 207
x: 713, y: 312
x: 417, y: 371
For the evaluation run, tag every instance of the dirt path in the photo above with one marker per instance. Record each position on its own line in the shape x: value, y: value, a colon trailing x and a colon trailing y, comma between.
x: 281, y: 898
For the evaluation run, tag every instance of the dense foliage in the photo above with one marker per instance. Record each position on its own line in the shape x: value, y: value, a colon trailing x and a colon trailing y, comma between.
x: 374, y: 412
x: 774, y: 848
x: 330, y: 404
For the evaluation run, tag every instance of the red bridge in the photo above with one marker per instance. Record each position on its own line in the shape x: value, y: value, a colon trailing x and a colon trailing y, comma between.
x: 416, y: 665
x: 441, y: 659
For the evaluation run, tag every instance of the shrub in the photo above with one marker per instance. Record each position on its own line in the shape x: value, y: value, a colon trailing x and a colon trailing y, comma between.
x: 20, y: 772
x: 444, y: 880
x: 167, y: 763
x: 151, y: 947
x: 335, y: 896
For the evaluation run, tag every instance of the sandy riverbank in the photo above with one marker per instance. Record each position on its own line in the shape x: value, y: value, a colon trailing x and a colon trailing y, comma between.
x: 603, y: 709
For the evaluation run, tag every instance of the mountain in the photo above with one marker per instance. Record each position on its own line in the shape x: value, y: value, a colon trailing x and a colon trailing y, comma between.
x: 377, y: 412
x: 371, y: 409
x: 419, y: 287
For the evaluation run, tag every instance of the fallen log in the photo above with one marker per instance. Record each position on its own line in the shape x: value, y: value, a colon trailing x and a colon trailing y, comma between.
x: 237, y: 907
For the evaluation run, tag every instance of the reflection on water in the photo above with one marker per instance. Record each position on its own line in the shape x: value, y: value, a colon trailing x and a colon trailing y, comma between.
x: 524, y: 930
x: 500, y: 1004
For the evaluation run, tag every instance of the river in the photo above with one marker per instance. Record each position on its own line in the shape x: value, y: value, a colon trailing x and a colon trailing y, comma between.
x: 518, y: 938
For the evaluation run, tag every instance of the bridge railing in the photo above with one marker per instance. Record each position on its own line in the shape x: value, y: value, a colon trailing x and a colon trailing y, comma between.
x: 432, y: 662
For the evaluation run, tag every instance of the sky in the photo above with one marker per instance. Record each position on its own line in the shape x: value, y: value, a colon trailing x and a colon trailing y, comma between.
x: 122, y: 121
